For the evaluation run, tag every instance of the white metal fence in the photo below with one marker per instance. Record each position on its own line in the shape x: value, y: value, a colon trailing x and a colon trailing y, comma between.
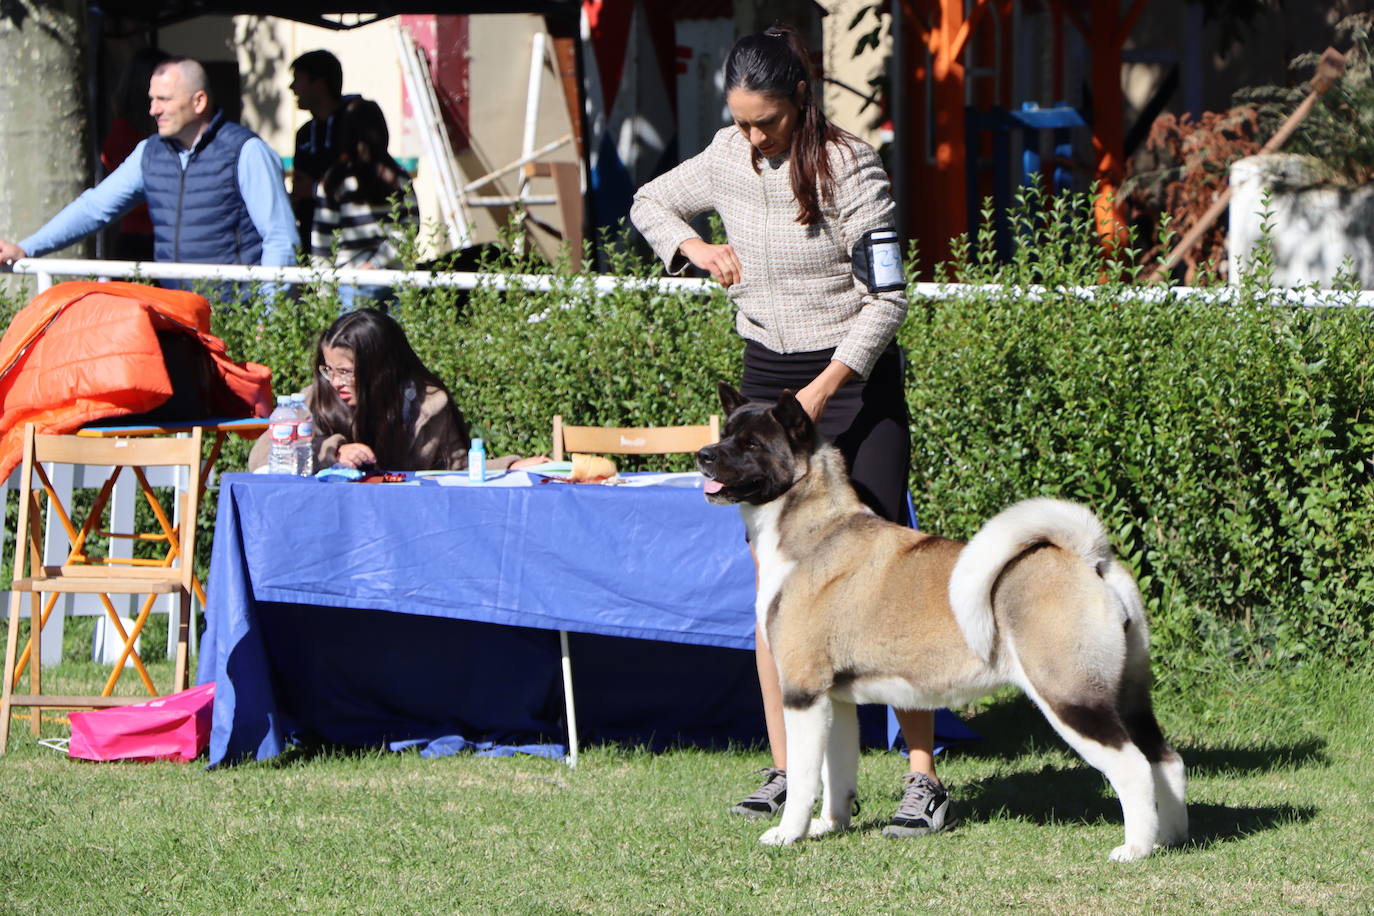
x: 45, y: 269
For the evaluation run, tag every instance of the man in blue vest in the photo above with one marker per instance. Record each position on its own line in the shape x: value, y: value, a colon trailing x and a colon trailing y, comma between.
x: 214, y: 189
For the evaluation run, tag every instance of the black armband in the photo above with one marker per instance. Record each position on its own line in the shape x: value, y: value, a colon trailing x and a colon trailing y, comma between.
x: 877, y: 261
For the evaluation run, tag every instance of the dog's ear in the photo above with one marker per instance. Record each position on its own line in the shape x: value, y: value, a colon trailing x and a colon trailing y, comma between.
x: 730, y: 399
x: 795, y: 421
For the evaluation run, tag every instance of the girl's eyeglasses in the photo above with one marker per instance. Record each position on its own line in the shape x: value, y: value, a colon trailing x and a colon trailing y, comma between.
x: 330, y: 374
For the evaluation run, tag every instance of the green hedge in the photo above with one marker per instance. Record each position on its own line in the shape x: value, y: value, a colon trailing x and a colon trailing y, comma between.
x: 1227, y: 445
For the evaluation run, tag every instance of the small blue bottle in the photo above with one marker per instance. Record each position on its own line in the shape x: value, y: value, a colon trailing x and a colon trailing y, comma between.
x: 477, y: 461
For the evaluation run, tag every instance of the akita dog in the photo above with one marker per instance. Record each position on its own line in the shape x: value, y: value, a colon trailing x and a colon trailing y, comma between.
x: 859, y: 610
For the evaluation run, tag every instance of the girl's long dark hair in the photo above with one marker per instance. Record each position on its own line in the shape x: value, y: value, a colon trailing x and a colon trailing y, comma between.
x: 383, y: 365
x: 773, y: 63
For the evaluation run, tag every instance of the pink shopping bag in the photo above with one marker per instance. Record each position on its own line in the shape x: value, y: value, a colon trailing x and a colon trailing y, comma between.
x: 174, y: 727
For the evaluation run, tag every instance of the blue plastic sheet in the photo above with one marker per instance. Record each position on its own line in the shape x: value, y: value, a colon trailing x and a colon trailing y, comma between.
x: 448, y: 745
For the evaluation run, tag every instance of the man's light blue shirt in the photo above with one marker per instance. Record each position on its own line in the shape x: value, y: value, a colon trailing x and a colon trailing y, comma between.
x: 260, y: 183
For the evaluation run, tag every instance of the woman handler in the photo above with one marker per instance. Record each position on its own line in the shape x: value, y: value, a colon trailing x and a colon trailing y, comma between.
x: 808, y: 214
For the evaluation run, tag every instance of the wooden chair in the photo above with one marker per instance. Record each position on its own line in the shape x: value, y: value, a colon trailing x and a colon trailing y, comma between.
x: 619, y: 440
x: 632, y: 440
x: 172, y: 573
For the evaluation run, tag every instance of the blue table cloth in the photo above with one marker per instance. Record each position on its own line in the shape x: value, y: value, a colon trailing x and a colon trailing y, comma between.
x: 299, y: 566
x: 654, y: 585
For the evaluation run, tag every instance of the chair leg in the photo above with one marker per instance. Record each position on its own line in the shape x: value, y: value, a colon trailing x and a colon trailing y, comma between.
x: 129, y: 639
x: 183, y: 636
x: 28, y: 646
x: 571, y: 713
x: 36, y: 672
x: 11, y: 649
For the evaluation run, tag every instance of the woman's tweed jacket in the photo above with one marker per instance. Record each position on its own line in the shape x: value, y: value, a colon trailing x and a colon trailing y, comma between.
x: 797, y: 291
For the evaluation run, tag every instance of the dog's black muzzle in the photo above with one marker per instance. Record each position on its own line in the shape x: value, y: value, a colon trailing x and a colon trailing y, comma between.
x: 706, y: 460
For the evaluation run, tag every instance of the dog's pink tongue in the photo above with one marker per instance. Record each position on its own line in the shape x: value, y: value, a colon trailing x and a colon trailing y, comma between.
x: 713, y: 486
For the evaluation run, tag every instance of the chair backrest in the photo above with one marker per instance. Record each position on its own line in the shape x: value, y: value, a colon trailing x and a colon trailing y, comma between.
x: 632, y: 440
x: 136, y: 454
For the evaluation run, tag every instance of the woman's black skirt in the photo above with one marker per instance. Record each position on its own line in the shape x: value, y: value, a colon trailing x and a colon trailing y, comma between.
x: 867, y: 420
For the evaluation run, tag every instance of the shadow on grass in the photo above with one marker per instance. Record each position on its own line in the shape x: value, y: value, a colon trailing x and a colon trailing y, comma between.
x: 1077, y: 795
x: 1013, y: 727
x: 306, y: 752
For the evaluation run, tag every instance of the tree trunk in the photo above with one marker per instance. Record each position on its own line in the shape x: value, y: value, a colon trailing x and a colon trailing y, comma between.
x: 43, y: 113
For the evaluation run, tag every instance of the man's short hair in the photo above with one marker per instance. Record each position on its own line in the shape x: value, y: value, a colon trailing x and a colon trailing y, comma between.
x: 192, y: 73
x: 322, y: 66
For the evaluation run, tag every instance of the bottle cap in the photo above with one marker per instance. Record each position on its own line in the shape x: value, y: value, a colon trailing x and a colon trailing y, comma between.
x: 477, y: 443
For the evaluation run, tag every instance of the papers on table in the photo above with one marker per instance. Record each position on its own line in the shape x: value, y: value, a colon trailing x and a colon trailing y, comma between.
x: 689, y: 479
x: 529, y: 476
x: 551, y: 468
x: 461, y: 479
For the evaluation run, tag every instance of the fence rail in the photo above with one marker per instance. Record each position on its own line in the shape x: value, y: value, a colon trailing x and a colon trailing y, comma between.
x: 45, y: 269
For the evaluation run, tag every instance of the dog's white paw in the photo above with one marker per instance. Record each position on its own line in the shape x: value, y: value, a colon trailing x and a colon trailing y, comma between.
x: 1128, y: 853
x: 776, y: 836
x: 820, y: 826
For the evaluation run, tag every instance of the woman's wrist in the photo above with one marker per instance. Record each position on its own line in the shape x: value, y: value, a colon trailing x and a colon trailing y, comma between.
x: 833, y: 377
x: 820, y: 389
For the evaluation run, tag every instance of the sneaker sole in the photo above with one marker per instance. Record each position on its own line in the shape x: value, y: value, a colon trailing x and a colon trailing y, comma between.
x: 896, y: 832
x: 753, y: 814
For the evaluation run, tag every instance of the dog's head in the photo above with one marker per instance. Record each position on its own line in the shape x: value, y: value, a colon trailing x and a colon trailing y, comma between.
x: 763, y: 452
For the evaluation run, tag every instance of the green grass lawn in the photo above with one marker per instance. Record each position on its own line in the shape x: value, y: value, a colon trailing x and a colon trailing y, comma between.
x: 1280, y: 795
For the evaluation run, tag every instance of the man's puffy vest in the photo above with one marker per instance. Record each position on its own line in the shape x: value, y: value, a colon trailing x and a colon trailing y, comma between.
x: 198, y: 214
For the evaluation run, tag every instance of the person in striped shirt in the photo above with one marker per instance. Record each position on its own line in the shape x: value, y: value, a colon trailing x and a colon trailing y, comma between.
x: 362, y: 203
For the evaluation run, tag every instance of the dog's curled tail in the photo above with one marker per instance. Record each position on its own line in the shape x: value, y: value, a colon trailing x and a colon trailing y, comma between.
x: 1011, y: 532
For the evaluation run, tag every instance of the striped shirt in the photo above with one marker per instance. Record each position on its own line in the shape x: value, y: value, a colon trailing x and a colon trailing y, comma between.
x: 365, y: 233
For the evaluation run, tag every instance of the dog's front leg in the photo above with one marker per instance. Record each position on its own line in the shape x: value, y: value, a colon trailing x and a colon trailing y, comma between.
x: 840, y: 770
x: 807, y: 728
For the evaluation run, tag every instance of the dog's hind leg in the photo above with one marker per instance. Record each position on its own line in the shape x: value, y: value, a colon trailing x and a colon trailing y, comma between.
x: 807, y: 728
x: 1167, y: 772
x: 839, y: 770
x: 1096, y: 732
x: 1166, y: 766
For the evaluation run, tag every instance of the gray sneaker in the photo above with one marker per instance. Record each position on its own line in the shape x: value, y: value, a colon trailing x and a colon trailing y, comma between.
x: 924, y: 808
x: 769, y: 797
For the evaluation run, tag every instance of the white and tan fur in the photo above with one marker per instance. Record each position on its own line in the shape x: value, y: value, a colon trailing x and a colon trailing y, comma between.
x: 859, y: 610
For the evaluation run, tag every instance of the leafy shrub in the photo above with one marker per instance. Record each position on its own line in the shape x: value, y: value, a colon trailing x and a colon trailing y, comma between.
x: 1226, y: 443
x: 1185, y: 165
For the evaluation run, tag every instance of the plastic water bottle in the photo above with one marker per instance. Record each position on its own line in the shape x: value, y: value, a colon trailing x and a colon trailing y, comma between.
x: 302, y: 447
x: 477, y: 461
x: 282, y: 429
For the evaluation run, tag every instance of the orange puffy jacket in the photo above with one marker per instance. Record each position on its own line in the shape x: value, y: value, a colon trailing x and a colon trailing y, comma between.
x: 85, y: 351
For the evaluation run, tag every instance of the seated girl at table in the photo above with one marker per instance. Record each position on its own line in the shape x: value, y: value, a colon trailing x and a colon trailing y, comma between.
x: 376, y: 405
